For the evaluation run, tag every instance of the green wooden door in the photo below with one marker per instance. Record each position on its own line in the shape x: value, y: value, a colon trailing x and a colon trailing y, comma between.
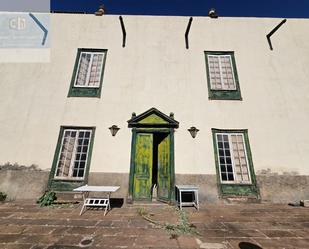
x: 164, y: 169
x: 143, y: 166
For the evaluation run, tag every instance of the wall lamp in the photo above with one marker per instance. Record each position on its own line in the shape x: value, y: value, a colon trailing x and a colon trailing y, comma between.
x: 114, y: 129
x: 193, y: 131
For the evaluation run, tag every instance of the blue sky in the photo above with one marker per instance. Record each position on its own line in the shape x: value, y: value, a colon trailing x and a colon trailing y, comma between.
x: 257, y: 8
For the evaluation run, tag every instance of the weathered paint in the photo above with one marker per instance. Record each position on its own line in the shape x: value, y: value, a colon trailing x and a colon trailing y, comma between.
x: 153, y: 119
x: 164, y: 169
x: 162, y: 148
x: 143, y: 166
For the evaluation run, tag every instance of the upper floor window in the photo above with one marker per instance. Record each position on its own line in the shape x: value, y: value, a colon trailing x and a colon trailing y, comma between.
x: 222, y: 76
x: 88, y: 73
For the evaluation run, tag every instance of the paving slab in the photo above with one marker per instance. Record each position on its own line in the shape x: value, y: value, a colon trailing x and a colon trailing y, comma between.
x: 24, y: 225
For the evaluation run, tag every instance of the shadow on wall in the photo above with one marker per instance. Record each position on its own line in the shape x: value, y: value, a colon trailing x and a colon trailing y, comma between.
x: 248, y: 245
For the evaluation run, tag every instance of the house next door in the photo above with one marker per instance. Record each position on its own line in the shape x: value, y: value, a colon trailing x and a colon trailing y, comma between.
x: 152, y: 157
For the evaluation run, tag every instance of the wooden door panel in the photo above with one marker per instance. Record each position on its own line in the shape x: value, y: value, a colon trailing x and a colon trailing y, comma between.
x: 164, y: 177
x: 143, y: 166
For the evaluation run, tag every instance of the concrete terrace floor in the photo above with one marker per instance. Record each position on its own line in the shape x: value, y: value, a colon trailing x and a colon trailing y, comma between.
x: 24, y: 225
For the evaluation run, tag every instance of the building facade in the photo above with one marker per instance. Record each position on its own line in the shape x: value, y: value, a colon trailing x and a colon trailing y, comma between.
x: 249, y: 104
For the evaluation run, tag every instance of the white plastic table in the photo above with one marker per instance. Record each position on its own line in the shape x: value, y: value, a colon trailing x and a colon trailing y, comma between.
x: 95, y: 201
x: 188, y: 189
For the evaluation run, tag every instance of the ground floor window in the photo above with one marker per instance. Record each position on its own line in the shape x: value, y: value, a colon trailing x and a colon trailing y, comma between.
x: 234, y: 162
x: 232, y: 158
x: 73, y: 153
x: 72, y: 157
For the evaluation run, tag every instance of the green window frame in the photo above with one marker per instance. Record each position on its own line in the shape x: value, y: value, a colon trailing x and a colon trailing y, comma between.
x: 234, y: 92
x: 70, y: 182
x: 234, y: 187
x: 87, y: 90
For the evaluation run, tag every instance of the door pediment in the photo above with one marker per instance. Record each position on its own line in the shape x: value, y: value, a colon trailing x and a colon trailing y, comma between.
x: 153, y: 118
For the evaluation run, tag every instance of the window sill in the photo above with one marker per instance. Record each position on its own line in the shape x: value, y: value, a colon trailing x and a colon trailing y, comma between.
x: 69, y: 179
x: 238, y: 189
x: 89, y: 92
x: 224, y: 95
x: 236, y: 183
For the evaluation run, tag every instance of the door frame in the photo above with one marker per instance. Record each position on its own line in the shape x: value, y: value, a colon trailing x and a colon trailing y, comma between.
x: 147, y: 123
x: 170, y: 132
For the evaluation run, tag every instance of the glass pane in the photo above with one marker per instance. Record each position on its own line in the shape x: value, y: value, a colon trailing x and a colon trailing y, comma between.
x: 83, y: 157
x: 229, y: 168
x: 223, y: 169
x: 77, y: 157
x: 244, y: 170
x: 245, y: 177
x: 224, y: 176
x: 83, y: 69
x: 75, y: 173
x: 81, y: 173
x: 96, y: 69
x: 214, y: 72
x: 234, y: 139
x: 230, y: 177
x: 67, y: 149
x: 227, y: 73
x: 240, y: 159
x: 225, y: 160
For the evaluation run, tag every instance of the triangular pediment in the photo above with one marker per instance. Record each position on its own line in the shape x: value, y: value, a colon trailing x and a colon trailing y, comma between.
x: 153, y: 118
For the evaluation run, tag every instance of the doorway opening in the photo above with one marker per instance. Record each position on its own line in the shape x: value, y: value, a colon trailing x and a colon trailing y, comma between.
x: 157, y: 139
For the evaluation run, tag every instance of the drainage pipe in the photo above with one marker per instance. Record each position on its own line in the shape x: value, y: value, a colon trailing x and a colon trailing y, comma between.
x: 273, y: 31
x: 124, y: 33
x: 187, y: 32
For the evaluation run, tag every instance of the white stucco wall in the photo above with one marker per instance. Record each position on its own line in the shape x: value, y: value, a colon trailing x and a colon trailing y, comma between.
x: 155, y: 70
